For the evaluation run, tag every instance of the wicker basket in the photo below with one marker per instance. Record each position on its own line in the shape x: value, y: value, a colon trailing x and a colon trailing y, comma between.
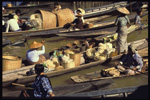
x: 49, y: 19
x: 11, y: 62
x: 64, y: 16
x: 76, y: 57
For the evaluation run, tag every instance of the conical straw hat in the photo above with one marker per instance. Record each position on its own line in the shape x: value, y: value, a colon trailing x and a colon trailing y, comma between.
x: 35, y: 44
x: 123, y: 10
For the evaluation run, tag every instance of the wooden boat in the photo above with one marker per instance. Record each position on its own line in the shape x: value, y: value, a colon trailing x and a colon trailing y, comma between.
x: 69, y: 88
x: 19, y: 75
x: 46, y: 31
x: 94, y: 76
x: 96, y: 32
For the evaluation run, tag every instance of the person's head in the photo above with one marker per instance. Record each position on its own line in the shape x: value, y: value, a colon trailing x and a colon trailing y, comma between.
x: 139, y: 12
x: 35, y: 45
x: 39, y: 68
x: 3, y: 10
x: 18, y: 12
x: 78, y: 11
x: 131, y: 49
x: 10, y: 16
x: 56, y: 5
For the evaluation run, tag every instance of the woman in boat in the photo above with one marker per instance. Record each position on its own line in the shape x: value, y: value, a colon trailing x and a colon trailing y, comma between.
x: 12, y: 24
x: 121, y: 22
x: 138, y: 19
x: 132, y: 61
x: 35, y: 56
x: 41, y: 87
x: 77, y: 23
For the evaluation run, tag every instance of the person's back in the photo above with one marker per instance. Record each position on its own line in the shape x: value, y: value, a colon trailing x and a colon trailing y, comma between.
x: 12, y: 24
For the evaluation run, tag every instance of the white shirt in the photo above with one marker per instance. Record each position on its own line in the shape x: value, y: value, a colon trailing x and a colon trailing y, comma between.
x: 12, y: 24
x: 33, y: 55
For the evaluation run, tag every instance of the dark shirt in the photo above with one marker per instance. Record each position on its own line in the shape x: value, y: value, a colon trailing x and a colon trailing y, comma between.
x: 134, y: 60
x: 42, y: 86
x: 79, y: 23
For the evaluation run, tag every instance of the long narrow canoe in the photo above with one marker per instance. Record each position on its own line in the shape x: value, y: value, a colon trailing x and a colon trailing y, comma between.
x: 94, y: 76
x: 49, y: 31
x: 97, y: 32
x: 69, y: 88
x: 19, y: 75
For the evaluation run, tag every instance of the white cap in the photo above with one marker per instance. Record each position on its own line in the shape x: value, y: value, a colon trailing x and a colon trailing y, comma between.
x: 3, y: 8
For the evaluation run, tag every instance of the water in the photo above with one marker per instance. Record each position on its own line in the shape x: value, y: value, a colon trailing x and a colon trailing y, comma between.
x: 57, y: 42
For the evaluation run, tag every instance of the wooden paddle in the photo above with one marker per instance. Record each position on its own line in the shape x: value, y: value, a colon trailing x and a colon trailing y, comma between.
x: 21, y: 85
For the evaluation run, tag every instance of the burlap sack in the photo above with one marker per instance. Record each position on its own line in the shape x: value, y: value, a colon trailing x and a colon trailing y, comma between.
x: 64, y: 16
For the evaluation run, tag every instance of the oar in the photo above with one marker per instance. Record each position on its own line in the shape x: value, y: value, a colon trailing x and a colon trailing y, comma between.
x: 21, y: 85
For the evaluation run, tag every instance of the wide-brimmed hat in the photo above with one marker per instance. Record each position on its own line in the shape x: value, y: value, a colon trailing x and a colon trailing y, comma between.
x: 82, y: 11
x: 79, y: 15
x: 35, y: 44
x: 123, y: 10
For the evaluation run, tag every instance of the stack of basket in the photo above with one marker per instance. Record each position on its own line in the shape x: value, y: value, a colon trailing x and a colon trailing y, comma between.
x: 59, y: 18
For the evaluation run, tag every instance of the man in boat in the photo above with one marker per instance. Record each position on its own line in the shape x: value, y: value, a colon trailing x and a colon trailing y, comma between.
x: 35, y: 56
x: 132, y: 61
x: 12, y: 24
x: 131, y: 64
x: 41, y: 87
x: 138, y: 19
x: 56, y: 7
x: 17, y: 14
x: 80, y: 11
x: 3, y: 22
x: 77, y: 23
x: 122, y: 21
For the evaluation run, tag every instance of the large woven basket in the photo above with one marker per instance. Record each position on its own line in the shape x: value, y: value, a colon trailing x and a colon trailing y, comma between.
x: 11, y: 62
x: 76, y: 57
x: 48, y: 18
x: 64, y: 16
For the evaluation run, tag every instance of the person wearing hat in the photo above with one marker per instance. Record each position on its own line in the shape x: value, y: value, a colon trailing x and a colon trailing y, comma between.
x: 12, y: 24
x: 122, y: 21
x: 56, y: 7
x: 78, y: 22
x: 80, y: 11
x: 132, y: 61
x: 41, y: 87
x: 35, y: 56
x: 138, y: 19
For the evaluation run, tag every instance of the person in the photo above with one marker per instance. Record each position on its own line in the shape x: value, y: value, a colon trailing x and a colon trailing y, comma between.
x: 122, y: 21
x: 41, y: 87
x: 17, y: 14
x: 138, y: 19
x: 56, y: 7
x: 77, y: 23
x: 80, y: 11
x: 132, y: 61
x: 35, y: 56
x: 12, y: 24
x: 3, y: 22
x: 131, y: 64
